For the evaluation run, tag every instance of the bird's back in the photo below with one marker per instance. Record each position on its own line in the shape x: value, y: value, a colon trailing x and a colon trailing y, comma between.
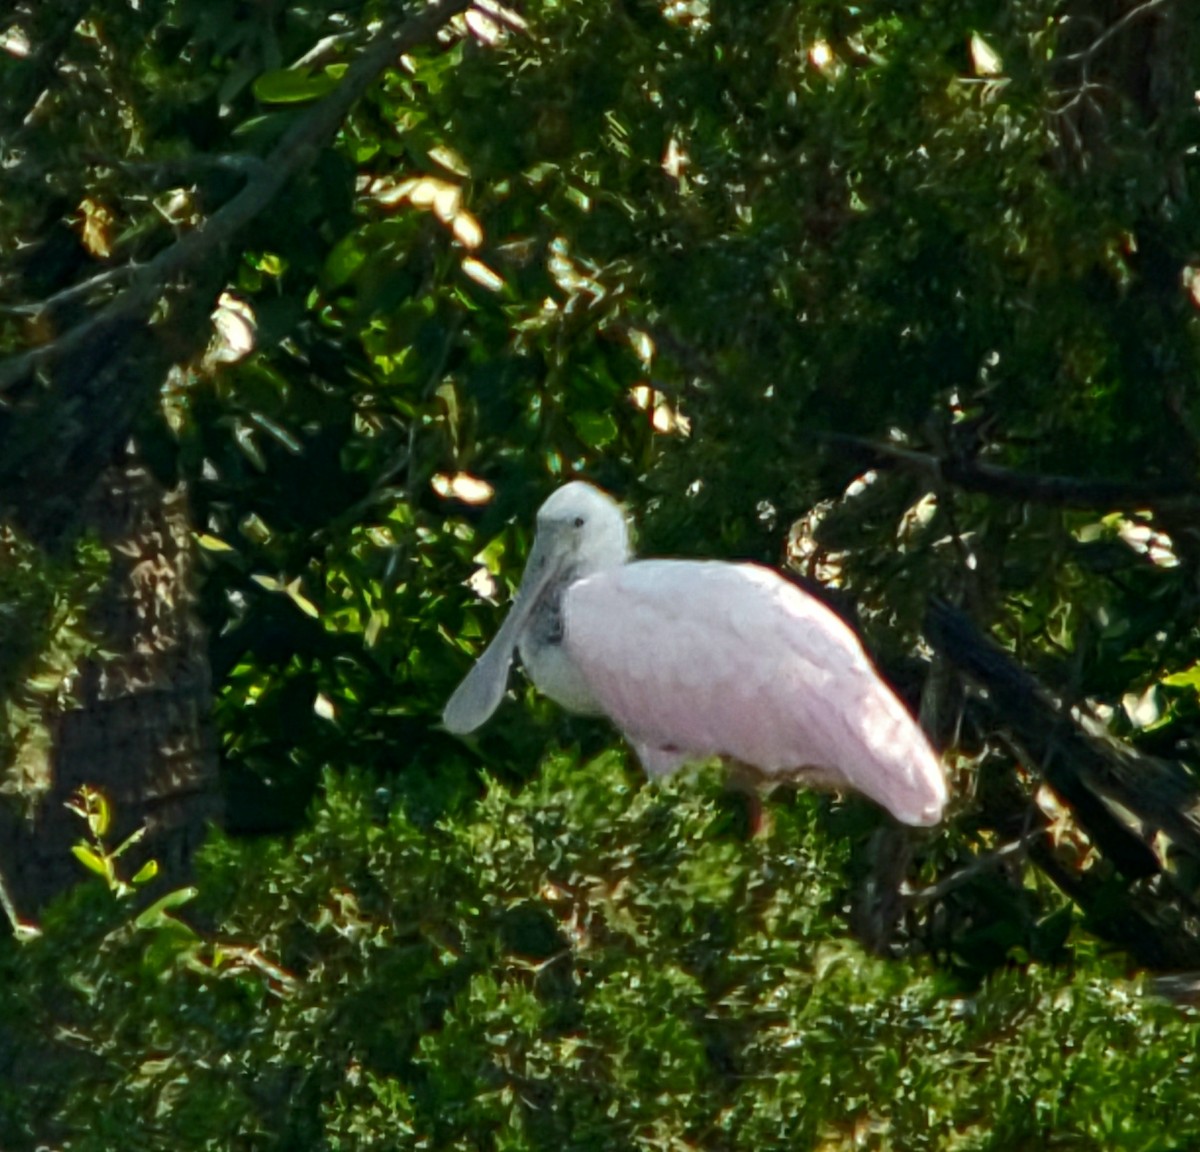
x: 701, y: 658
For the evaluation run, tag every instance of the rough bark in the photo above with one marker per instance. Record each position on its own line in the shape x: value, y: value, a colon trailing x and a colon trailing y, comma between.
x: 139, y: 727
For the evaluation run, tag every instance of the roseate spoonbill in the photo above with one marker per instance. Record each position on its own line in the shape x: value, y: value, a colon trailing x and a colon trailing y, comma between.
x: 695, y: 659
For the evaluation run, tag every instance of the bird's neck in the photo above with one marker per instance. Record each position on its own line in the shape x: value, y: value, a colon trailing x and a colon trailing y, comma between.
x: 600, y: 559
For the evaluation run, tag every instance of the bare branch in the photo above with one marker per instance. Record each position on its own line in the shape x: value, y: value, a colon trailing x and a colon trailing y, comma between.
x: 1035, y: 488
x: 1071, y: 104
x: 1085, y: 55
x: 326, y: 50
x: 85, y: 288
x: 984, y: 863
x: 177, y: 168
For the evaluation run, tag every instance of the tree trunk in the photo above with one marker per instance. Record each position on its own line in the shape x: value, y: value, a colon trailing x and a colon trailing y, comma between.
x: 139, y: 728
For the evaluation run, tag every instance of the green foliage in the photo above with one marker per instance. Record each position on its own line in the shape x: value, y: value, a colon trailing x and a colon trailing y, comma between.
x: 44, y: 634
x: 724, y: 259
x: 895, y: 244
x: 98, y: 856
x: 933, y: 226
x: 588, y: 962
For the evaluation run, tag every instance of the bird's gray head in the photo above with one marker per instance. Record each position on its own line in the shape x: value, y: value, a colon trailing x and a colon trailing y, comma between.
x: 583, y: 528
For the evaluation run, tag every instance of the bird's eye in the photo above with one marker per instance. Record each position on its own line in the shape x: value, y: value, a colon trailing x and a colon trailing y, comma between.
x: 578, y: 521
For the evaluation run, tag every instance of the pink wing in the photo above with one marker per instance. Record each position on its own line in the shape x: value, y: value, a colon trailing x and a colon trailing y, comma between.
x: 693, y: 659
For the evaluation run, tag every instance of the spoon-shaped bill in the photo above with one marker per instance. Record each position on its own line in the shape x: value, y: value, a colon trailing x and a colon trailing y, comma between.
x: 481, y: 691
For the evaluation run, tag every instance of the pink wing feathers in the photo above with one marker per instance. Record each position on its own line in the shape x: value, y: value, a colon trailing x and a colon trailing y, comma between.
x: 693, y: 659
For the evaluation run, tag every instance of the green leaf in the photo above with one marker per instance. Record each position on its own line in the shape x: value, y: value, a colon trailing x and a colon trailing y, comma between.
x: 293, y: 86
x: 345, y: 258
x: 595, y: 429
x: 157, y: 912
x: 146, y: 872
x: 130, y: 841
x: 99, y: 814
x: 1187, y: 678
x: 212, y: 543
x: 92, y: 861
x: 301, y: 601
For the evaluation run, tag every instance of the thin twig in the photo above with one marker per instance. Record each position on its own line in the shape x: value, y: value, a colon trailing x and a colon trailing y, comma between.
x: 86, y: 287
x: 1082, y: 93
x: 325, y: 50
x: 253, y: 958
x: 979, y: 864
x: 22, y: 929
x: 1086, y: 54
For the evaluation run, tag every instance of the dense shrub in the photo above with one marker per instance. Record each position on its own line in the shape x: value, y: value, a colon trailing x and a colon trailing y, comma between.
x: 587, y: 963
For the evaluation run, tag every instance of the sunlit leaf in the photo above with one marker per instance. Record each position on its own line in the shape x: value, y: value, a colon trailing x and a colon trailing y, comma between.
x: 96, y: 228
x: 133, y: 838
x: 482, y: 274
x: 100, y: 814
x: 462, y: 486
x: 212, y: 543
x: 449, y: 159
x: 293, y: 86
x: 145, y: 873
x: 157, y: 911
x: 984, y: 58
x: 1187, y: 678
x: 467, y: 230
x: 300, y: 600
x: 90, y: 859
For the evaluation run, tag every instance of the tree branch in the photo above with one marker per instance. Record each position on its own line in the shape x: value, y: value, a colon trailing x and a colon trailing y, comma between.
x: 1034, y: 488
x: 1088, y: 772
x: 73, y: 292
x: 1134, y: 14
x: 1016, y: 848
x: 296, y: 151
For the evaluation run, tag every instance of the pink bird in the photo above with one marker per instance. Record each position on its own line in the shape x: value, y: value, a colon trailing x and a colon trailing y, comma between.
x: 694, y: 659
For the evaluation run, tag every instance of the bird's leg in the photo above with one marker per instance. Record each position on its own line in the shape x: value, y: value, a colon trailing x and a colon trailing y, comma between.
x: 747, y: 782
x: 878, y: 904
